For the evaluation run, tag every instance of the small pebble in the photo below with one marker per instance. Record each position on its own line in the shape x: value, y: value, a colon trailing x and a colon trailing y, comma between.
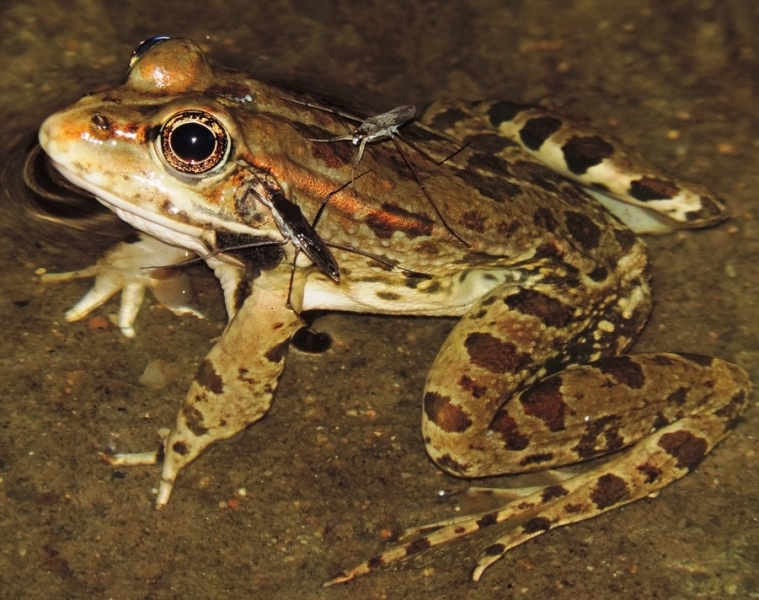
x: 154, y: 375
x: 98, y: 323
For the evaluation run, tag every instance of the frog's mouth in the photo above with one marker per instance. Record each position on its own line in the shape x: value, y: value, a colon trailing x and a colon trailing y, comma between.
x: 163, y: 228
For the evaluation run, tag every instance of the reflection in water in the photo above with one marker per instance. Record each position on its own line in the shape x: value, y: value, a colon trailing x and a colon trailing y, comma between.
x: 35, y: 191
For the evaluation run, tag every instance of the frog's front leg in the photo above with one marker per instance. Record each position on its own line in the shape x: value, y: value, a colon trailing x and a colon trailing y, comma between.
x: 492, y: 407
x: 139, y: 262
x: 234, y: 386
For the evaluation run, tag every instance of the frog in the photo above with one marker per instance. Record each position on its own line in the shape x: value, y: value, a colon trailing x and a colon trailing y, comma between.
x: 538, y: 257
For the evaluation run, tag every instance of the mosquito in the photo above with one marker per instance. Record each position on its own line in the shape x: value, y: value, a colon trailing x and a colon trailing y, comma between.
x: 378, y: 128
x: 383, y: 127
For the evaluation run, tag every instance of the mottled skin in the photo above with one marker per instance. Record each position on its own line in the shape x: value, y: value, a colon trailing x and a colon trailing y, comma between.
x: 551, y: 289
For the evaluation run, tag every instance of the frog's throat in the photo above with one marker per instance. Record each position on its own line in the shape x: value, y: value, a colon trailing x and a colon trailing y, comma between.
x: 167, y: 230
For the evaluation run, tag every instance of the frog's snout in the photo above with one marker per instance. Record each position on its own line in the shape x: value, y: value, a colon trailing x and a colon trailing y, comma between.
x: 53, y: 135
x: 46, y: 132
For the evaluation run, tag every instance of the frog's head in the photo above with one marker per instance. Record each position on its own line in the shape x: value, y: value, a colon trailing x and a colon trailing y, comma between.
x: 163, y: 150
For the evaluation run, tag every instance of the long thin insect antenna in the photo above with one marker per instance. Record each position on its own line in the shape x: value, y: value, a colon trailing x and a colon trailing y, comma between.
x: 418, y: 149
x: 424, y: 189
x: 380, y: 259
x: 333, y: 193
x: 213, y: 253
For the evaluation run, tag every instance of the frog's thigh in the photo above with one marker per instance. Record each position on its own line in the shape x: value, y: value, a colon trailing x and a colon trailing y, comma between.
x: 507, y: 340
x: 474, y: 424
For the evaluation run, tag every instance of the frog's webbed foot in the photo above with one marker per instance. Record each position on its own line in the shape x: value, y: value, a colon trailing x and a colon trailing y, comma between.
x: 130, y: 267
x: 507, y: 526
x: 420, y: 543
x: 581, y: 497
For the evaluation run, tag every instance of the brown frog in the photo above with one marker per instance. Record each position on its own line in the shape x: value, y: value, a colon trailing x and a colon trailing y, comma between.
x: 551, y: 288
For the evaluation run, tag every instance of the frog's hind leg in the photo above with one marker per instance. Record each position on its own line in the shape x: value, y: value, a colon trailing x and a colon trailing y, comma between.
x: 637, y: 192
x: 531, y: 378
x: 716, y: 391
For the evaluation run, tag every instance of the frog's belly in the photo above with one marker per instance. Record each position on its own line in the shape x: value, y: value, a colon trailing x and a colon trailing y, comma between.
x: 449, y: 296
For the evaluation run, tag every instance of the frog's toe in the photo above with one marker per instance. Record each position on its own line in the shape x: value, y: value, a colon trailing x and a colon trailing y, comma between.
x: 135, y: 459
x: 101, y: 292
x: 131, y: 301
x: 166, y: 486
x: 184, y: 311
x: 90, y: 271
x: 486, y: 560
x: 336, y: 580
x: 131, y: 459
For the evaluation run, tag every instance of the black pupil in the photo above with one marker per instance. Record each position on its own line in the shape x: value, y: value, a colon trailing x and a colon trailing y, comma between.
x: 193, y: 142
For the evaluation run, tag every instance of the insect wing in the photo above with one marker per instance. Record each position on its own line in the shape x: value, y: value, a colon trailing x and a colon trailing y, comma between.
x: 394, y: 118
x: 313, y: 247
x: 294, y: 225
x: 383, y: 126
x: 401, y: 114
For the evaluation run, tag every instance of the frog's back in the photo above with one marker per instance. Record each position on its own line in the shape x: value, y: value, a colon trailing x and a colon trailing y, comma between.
x: 504, y: 206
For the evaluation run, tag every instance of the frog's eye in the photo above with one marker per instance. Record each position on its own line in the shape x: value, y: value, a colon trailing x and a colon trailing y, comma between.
x: 194, y: 142
x: 143, y: 48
